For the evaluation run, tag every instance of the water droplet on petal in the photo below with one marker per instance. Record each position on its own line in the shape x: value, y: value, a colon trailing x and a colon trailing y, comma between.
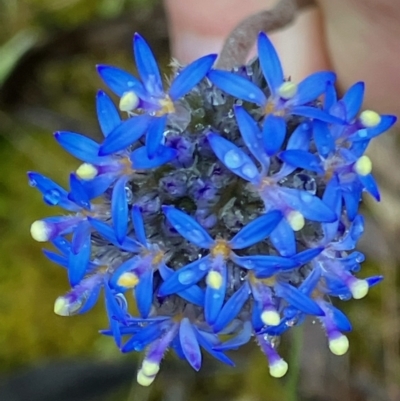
x: 186, y: 277
x: 203, y: 266
x: 306, y: 197
x: 249, y: 170
x: 233, y: 159
x: 52, y: 197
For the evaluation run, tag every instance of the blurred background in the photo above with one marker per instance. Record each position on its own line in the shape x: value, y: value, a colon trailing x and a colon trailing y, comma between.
x: 48, y: 50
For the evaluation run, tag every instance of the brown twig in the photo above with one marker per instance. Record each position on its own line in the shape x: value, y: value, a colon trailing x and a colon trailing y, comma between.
x: 240, y: 41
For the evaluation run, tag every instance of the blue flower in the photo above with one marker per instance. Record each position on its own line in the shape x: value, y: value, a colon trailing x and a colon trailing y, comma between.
x: 148, y: 95
x: 285, y: 97
x: 213, y: 265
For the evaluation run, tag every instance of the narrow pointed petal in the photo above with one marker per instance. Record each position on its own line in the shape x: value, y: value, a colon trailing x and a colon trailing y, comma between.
x: 204, y: 340
x: 232, y: 307
x: 274, y: 133
x: 310, y: 206
x: 323, y: 138
x: 108, y: 233
x: 242, y: 338
x: 143, y: 337
x: 353, y: 100
x: 311, y: 281
x: 141, y: 161
x: 147, y: 66
x: 98, y: 185
x: 374, y: 280
x: 330, y: 96
x: 369, y: 183
x: 138, y: 225
x: 91, y: 300
x: 314, y: 113
x: 185, y: 277
x: 270, y: 63
x: 79, y: 262
x: 190, y: 76
x: 214, y: 297
x: 264, y: 262
x: 313, y: 86
x: 297, y: 299
x: 307, y: 256
x: 233, y: 158
x: 300, y: 138
x: 189, y: 343
x: 79, y: 146
x: 352, y: 200
x: 107, y: 113
x: 237, y: 86
x: 257, y: 230
x: 119, y: 208
x: 301, y: 159
x: 78, y: 193
x: 188, y: 227
x: 81, y: 233
x: 120, y: 81
x: 56, y: 258
x: 251, y: 135
x: 283, y: 239
x: 125, y: 134
x: 333, y: 199
x: 340, y: 319
x: 144, y: 293
x: 155, y: 135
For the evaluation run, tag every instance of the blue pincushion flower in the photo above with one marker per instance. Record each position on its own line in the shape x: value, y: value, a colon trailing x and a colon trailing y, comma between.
x: 224, y: 207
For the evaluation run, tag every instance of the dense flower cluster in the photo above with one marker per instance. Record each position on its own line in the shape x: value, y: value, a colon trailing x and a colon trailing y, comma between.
x: 223, y: 208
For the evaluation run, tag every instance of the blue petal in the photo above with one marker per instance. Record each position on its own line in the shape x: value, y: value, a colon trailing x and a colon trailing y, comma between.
x: 189, y: 343
x: 313, y: 86
x: 323, y: 138
x: 203, y: 339
x: 256, y: 231
x: 314, y: 113
x: 352, y: 236
x: 251, y: 134
x: 108, y: 233
x: 56, y: 258
x: 352, y: 200
x: 119, y: 208
x: 78, y: 263
x: 81, y: 232
x: 78, y: 193
x: 80, y: 146
x: 62, y: 245
x: 107, y: 113
x: 91, y: 300
x: 300, y: 138
x: 283, y: 239
x: 274, y: 133
x: 145, y: 336
x: 155, y: 134
x: 233, y: 158
x: 138, y: 225
x: 297, y: 299
x: 270, y: 63
x: 341, y: 321
x: 369, y: 183
x: 310, y: 206
x: 264, y: 262
x: 98, y: 185
x: 301, y: 159
x: 147, y: 66
x: 141, y: 161
x: 193, y: 294
x: 237, y: 86
x: 330, y: 96
x: 144, y: 293
x: 374, y: 280
x: 125, y: 134
x: 214, y: 298
x: 307, y: 256
x: 234, y: 343
x: 311, y: 281
x: 353, y: 100
x: 53, y: 194
x: 120, y: 81
x: 190, y: 76
x: 232, y: 307
x: 188, y: 227
x: 185, y: 277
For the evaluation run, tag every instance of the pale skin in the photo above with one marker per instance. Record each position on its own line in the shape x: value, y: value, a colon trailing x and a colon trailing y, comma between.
x: 358, y: 39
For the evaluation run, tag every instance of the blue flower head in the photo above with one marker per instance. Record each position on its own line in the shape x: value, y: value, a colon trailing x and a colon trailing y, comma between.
x: 224, y: 206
